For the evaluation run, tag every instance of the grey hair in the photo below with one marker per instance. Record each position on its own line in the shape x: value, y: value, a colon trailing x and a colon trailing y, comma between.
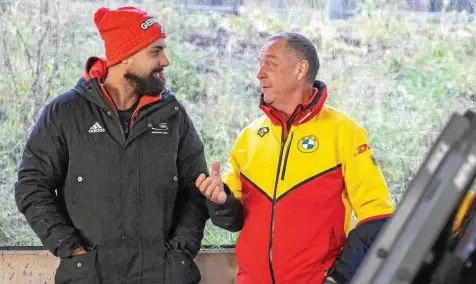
x: 304, y: 47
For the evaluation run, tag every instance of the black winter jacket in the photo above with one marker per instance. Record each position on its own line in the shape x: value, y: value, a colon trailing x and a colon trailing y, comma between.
x: 131, y: 203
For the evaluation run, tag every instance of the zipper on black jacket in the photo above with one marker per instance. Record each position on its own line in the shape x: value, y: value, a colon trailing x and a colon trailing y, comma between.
x: 118, y: 122
x: 286, y: 157
x: 141, y: 252
x: 127, y: 130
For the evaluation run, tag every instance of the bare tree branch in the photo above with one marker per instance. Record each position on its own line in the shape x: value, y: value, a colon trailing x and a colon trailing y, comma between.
x: 36, y: 82
x: 55, y: 71
x: 25, y: 47
x: 9, y: 65
x: 40, y: 55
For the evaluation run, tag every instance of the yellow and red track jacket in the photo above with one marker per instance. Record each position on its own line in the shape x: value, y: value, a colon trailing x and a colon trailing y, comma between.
x: 296, y: 185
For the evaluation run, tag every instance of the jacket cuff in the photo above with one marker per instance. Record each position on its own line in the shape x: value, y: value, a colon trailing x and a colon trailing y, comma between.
x: 66, y: 248
x: 216, y: 209
x: 182, y: 245
x: 339, y: 278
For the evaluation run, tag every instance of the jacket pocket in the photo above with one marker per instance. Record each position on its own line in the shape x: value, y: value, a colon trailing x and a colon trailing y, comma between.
x: 78, y: 269
x: 181, y: 269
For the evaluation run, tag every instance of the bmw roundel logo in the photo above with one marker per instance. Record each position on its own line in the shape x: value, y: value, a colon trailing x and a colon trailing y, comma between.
x: 308, y: 144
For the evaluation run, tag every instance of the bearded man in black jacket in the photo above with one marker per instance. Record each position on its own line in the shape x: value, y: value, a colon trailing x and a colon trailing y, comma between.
x: 107, y: 176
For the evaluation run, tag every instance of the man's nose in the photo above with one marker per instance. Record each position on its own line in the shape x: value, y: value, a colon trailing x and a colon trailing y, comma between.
x: 260, y: 75
x: 164, y: 62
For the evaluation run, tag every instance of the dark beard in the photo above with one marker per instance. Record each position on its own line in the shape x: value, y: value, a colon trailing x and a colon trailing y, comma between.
x: 150, y: 85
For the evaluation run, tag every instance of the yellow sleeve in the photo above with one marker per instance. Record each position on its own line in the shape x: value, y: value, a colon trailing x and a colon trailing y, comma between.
x: 231, y: 173
x: 365, y: 185
x: 463, y: 210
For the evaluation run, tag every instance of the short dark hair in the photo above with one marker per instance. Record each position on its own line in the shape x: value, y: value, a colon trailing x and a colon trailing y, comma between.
x: 303, y: 46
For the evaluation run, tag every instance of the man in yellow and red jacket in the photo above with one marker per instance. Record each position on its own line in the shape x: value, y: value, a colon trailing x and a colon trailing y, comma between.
x: 294, y: 178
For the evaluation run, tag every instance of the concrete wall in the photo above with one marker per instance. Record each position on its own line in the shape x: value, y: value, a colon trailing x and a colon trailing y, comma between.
x: 38, y: 267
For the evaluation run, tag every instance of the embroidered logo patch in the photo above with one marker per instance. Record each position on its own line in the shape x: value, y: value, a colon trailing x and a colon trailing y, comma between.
x: 148, y: 23
x: 361, y: 149
x: 263, y: 131
x: 96, y: 128
x: 163, y: 129
x: 308, y: 144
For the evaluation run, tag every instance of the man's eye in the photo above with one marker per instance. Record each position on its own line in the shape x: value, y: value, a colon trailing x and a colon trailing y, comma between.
x: 266, y: 63
x: 270, y: 64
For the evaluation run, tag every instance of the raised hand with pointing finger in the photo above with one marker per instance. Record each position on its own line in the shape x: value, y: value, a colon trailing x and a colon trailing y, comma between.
x: 212, y: 186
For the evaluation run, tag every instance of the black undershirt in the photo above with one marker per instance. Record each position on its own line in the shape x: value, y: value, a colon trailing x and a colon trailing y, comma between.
x: 125, y: 118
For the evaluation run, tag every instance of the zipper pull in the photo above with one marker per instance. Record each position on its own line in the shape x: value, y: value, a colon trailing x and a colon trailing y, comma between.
x: 126, y: 129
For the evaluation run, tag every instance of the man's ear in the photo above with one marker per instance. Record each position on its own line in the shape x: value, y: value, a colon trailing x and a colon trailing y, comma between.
x: 301, y: 69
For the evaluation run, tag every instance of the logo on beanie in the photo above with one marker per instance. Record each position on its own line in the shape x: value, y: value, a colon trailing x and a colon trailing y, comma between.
x: 148, y: 23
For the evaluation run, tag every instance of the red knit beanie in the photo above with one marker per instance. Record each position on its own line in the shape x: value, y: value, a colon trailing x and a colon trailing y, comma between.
x: 125, y: 31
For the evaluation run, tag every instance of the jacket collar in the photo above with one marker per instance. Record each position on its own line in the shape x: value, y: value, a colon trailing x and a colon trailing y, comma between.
x: 303, y: 112
x: 95, y: 71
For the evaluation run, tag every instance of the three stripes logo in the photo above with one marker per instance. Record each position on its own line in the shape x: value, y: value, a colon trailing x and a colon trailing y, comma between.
x: 96, y: 128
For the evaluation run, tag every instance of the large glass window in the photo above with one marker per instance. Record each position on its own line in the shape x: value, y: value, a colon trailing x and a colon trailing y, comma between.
x: 399, y: 68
